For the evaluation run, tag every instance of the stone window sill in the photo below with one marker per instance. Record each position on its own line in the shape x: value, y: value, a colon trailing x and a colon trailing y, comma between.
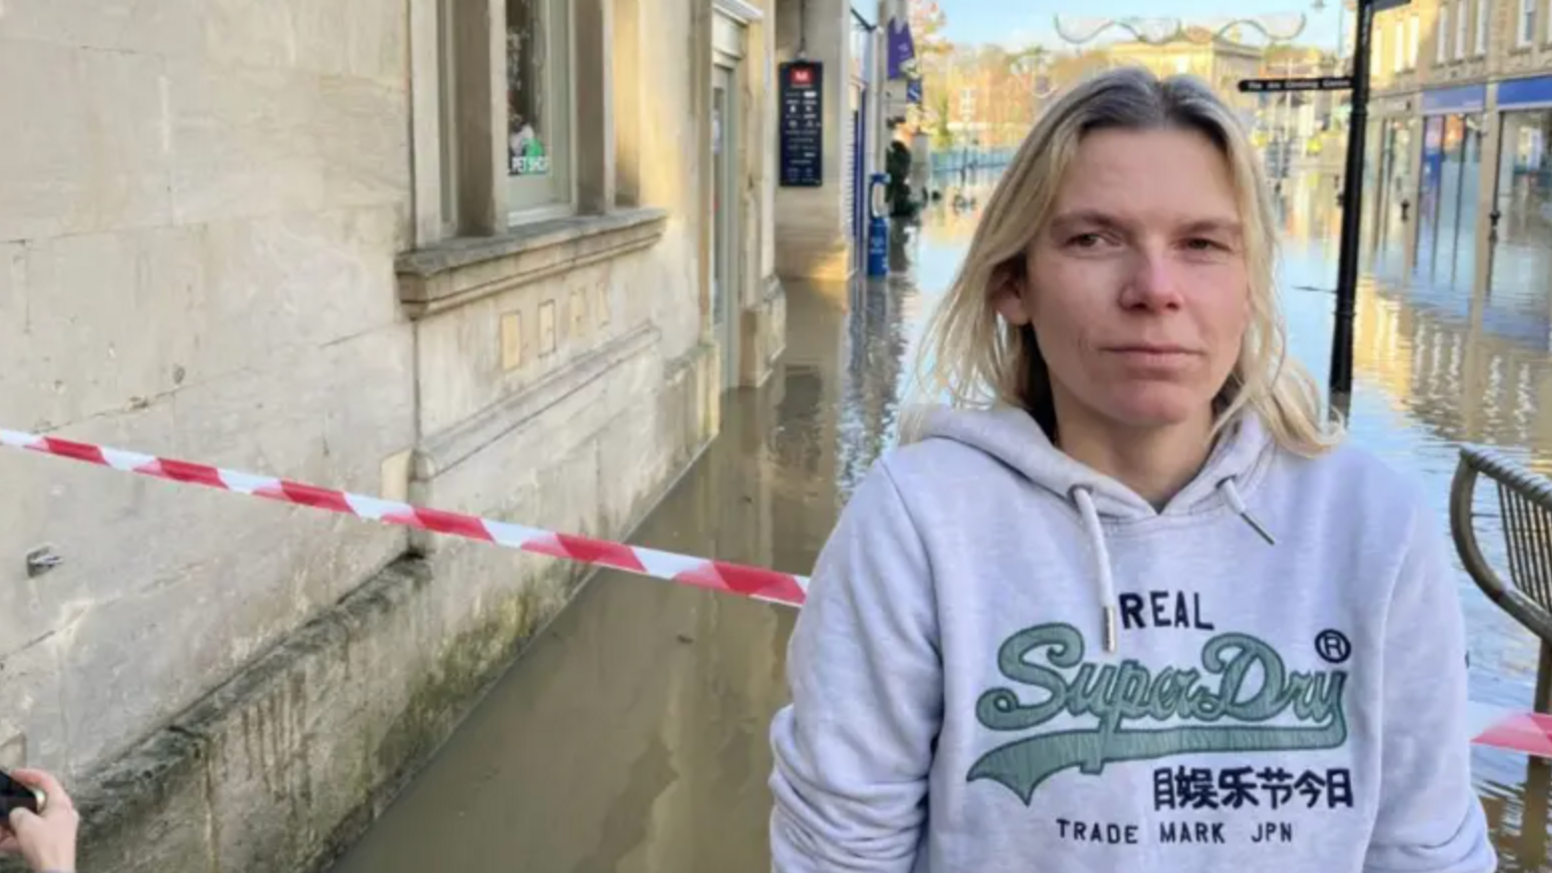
x: 458, y: 271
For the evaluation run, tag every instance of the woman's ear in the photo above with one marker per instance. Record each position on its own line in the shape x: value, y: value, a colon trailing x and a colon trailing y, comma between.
x: 1008, y: 290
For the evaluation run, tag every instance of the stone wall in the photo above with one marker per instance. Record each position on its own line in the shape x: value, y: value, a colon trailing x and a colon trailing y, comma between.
x: 199, y: 209
x: 213, y: 247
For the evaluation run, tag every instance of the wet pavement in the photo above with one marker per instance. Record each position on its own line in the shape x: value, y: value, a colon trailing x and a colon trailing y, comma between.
x: 632, y: 735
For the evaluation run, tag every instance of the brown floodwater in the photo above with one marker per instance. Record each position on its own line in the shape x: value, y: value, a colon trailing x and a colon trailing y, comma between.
x: 631, y: 737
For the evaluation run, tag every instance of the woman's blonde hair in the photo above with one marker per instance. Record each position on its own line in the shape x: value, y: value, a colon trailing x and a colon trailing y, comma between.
x: 975, y: 359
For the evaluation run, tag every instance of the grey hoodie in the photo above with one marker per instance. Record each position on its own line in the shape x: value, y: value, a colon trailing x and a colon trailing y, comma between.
x: 959, y: 705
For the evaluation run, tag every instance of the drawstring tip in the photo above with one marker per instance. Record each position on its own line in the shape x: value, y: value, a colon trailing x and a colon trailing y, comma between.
x: 1110, y: 628
x: 1231, y: 494
x: 1256, y: 526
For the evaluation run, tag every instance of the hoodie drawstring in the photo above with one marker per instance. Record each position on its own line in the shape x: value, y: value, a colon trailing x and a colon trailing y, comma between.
x: 1231, y: 494
x: 1096, y: 534
x: 1107, y: 595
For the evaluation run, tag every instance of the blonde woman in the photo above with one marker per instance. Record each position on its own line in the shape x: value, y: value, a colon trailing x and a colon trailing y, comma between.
x: 1125, y: 603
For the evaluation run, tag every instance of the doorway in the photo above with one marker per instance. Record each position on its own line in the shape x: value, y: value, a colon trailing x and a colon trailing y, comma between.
x: 1393, y: 211
x: 1447, y: 217
x: 857, y: 197
x: 725, y: 262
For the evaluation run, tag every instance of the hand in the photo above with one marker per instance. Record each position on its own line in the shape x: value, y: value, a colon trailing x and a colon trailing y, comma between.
x: 47, y: 841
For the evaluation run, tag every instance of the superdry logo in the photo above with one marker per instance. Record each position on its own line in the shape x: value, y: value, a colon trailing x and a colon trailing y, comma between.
x: 1229, y: 712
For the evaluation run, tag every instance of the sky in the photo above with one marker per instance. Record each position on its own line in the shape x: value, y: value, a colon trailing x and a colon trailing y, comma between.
x: 1020, y: 23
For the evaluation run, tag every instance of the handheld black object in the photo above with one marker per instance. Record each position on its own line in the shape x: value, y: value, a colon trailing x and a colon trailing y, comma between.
x: 15, y: 795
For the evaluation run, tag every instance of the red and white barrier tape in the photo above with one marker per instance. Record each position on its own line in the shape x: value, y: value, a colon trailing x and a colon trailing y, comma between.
x: 752, y: 582
x: 1529, y: 733
x: 1495, y: 727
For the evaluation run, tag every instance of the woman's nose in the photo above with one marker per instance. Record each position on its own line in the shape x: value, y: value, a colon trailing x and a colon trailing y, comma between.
x: 1153, y: 283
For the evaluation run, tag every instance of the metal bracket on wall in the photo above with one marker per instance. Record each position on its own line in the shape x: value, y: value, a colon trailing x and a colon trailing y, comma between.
x: 41, y: 560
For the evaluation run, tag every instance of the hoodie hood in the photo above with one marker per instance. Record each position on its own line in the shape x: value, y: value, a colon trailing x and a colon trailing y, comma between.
x: 1013, y: 437
x: 1282, y: 709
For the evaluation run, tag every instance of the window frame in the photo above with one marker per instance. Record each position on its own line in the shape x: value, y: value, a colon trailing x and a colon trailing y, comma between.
x: 1443, y: 33
x: 532, y: 199
x: 458, y: 89
x: 1483, y: 14
x: 1462, y: 29
x: 1525, y: 28
x: 1414, y: 40
x: 448, y: 132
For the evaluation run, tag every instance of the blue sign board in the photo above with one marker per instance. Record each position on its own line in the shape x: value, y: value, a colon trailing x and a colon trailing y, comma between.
x: 1450, y: 101
x: 801, y: 87
x: 1525, y: 92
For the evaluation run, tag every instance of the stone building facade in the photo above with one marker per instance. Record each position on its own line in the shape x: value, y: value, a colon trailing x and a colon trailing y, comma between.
x: 1457, y: 164
x: 499, y: 256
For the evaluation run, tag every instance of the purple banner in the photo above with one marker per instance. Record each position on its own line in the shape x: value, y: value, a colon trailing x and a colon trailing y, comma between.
x: 902, y: 48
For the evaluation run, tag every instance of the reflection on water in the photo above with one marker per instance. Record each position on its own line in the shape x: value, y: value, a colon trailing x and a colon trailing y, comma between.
x: 1517, y: 811
x: 1445, y: 354
x: 632, y: 736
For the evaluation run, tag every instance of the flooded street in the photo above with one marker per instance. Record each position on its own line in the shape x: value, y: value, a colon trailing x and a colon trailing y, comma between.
x: 632, y: 735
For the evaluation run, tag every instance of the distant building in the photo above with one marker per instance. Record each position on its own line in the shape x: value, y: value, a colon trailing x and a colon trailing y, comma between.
x: 1300, y: 131
x: 1219, y: 62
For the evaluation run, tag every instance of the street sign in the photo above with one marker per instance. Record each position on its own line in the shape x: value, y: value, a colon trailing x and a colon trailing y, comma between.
x: 1313, y: 83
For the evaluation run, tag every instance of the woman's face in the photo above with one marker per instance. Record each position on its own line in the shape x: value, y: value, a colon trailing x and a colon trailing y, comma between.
x: 1138, y: 289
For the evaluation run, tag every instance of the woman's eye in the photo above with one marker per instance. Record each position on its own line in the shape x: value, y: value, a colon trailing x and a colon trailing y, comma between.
x: 1204, y: 245
x: 1085, y: 240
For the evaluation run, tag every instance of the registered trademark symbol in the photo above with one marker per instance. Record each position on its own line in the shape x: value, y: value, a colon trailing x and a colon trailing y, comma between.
x: 1333, y: 646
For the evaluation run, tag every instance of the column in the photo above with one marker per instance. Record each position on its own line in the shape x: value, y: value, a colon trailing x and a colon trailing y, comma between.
x: 1487, y: 188
x: 812, y: 238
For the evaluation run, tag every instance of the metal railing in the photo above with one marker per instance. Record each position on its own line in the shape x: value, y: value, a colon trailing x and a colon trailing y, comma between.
x: 955, y: 159
x: 1525, y: 501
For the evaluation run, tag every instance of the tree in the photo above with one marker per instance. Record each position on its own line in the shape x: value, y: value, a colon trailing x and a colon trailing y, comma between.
x: 937, y: 123
x: 927, y: 21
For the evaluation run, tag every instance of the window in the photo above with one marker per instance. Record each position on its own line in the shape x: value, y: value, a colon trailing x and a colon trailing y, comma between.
x: 539, y: 105
x: 1483, y: 10
x: 1442, y: 36
x: 516, y: 147
x: 1414, y: 38
x: 1527, y: 22
x: 1462, y: 20
x: 1400, y: 59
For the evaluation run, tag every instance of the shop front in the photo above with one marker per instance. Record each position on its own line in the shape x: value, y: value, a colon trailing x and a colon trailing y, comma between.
x: 1390, y: 184
x: 1522, y: 205
x: 1448, y: 185
x: 1524, y: 196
